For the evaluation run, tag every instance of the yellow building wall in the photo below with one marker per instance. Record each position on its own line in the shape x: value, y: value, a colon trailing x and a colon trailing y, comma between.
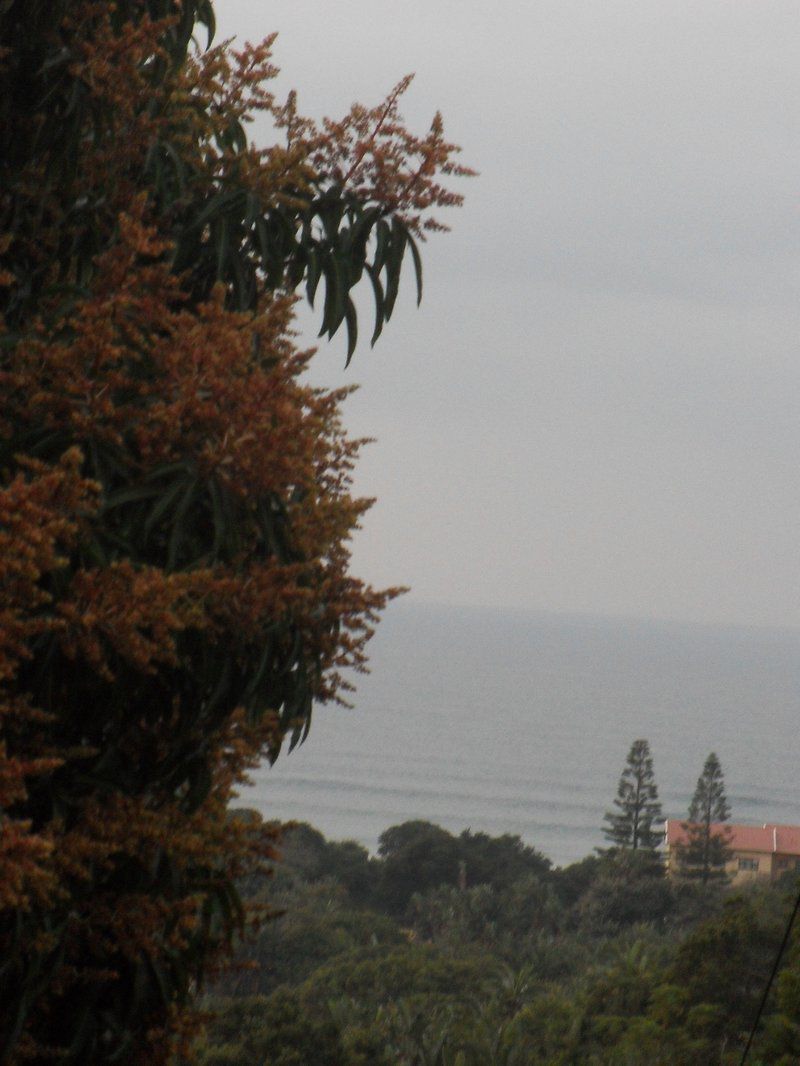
x: 770, y: 866
x: 737, y: 868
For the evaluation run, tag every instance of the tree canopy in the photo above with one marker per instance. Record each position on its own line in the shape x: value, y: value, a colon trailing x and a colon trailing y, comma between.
x: 175, y: 499
x: 605, y: 961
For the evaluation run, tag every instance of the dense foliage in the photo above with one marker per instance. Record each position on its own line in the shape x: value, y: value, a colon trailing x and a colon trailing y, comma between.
x: 606, y: 961
x: 175, y: 501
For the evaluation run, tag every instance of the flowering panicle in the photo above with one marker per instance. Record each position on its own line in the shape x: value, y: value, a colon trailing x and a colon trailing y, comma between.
x: 176, y: 501
x: 371, y: 154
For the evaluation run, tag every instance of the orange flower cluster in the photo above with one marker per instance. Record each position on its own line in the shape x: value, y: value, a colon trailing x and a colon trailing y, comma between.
x: 138, y: 375
x: 40, y: 510
x: 372, y: 154
x: 175, y: 500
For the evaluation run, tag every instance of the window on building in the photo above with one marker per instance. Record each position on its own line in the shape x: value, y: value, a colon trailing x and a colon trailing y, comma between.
x: 748, y: 864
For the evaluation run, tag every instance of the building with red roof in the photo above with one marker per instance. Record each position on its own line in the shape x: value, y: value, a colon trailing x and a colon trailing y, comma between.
x: 758, y: 852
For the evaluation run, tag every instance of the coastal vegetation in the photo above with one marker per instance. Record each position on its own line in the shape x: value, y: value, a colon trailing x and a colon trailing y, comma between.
x: 470, y: 950
x: 176, y: 503
x: 176, y: 508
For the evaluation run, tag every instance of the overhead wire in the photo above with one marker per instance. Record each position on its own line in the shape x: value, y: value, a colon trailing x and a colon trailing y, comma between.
x: 772, y: 977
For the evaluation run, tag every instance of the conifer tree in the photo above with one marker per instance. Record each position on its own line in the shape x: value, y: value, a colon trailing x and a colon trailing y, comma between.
x: 636, y: 823
x: 706, y: 851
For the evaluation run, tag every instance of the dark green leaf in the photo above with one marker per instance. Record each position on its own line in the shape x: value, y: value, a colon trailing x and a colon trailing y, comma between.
x: 352, y: 329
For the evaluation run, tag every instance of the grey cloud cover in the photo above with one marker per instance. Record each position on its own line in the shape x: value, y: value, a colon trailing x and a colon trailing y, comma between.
x: 596, y: 407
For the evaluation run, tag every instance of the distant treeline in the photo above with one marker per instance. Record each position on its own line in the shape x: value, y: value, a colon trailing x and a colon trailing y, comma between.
x: 472, y: 950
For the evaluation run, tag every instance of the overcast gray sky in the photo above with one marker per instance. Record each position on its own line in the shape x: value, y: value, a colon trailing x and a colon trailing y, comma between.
x: 596, y: 407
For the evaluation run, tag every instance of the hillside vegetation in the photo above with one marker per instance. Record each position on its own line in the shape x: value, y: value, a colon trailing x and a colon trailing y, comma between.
x: 468, y: 950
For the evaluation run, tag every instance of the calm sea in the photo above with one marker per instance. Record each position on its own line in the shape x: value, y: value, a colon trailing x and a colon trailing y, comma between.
x: 512, y: 722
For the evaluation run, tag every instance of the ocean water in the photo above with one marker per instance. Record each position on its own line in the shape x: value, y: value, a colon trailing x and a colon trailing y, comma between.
x: 514, y: 722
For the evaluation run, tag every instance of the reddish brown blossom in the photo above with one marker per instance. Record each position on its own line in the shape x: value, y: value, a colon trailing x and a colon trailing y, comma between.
x: 175, y: 499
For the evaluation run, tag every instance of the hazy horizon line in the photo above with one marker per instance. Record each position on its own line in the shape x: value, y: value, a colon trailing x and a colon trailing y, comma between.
x: 408, y: 599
